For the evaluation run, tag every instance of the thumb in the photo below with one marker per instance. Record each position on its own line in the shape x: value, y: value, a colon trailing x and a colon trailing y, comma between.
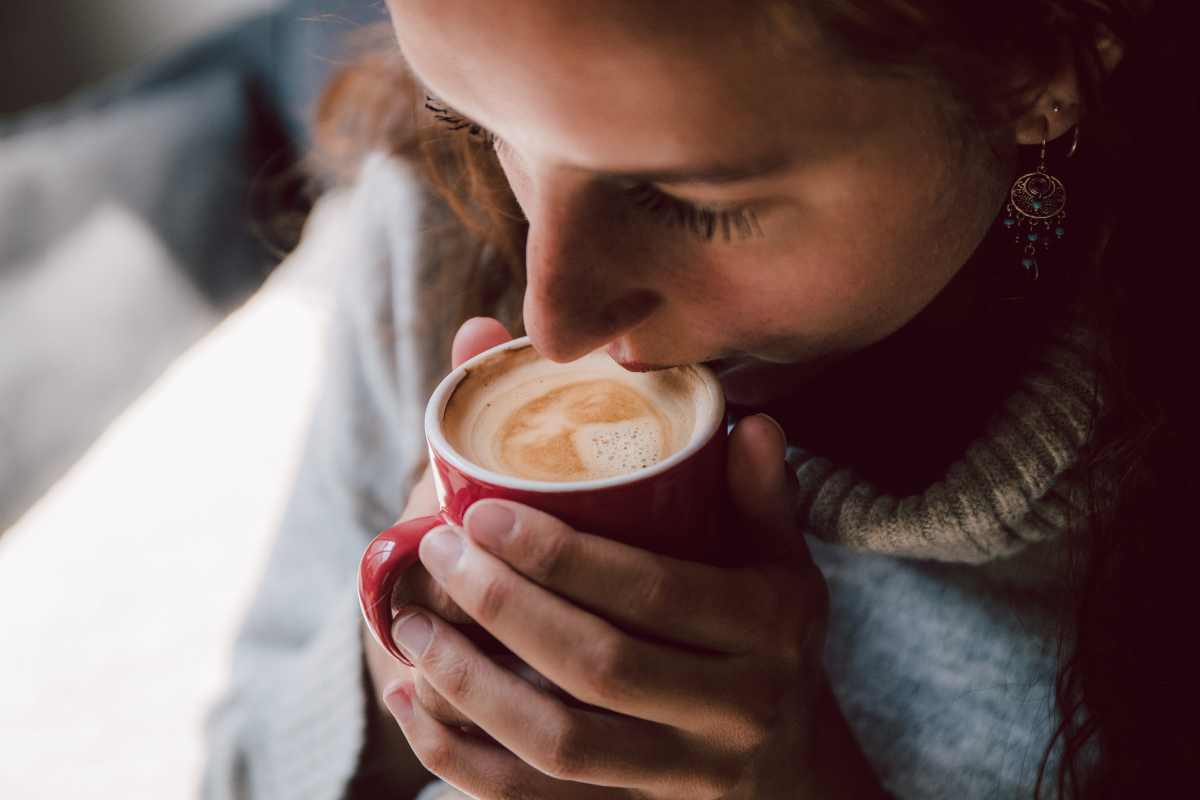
x: 762, y: 487
x: 475, y: 336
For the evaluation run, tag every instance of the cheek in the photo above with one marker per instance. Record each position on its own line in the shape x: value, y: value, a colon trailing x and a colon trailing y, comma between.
x: 821, y: 287
x: 860, y: 260
x: 724, y: 297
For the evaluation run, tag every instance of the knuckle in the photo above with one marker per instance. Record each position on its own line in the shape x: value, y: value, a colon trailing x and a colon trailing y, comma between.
x: 753, y: 713
x: 454, y: 673
x: 722, y: 779
x: 760, y: 717
x: 564, y: 751
x: 549, y: 556
x: 492, y: 598
x: 509, y: 788
x: 435, y: 751
x: 437, y: 599
x: 416, y: 587
x: 606, y: 671
x: 426, y: 694
x: 656, y: 591
x: 434, y: 704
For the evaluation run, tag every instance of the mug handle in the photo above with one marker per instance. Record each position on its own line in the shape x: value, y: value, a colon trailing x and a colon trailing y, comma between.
x: 386, y: 557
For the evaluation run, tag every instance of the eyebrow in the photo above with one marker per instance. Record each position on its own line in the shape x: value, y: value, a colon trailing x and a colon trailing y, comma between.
x: 712, y: 174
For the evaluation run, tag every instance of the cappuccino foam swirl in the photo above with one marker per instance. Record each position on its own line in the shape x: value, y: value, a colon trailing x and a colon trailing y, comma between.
x: 522, y: 415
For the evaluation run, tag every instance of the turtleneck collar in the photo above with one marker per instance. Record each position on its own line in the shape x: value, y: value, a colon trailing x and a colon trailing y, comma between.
x: 1018, y: 481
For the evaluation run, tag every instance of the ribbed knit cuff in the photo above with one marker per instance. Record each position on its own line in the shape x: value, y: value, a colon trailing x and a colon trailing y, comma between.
x: 314, y: 723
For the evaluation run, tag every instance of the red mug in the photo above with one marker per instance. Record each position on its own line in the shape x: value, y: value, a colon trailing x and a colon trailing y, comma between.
x: 672, y: 507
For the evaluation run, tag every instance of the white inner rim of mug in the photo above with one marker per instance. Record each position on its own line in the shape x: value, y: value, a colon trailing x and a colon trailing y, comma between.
x: 437, y: 439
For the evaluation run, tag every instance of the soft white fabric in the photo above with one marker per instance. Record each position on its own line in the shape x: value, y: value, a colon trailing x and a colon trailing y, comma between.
x: 122, y: 589
x: 292, y: 722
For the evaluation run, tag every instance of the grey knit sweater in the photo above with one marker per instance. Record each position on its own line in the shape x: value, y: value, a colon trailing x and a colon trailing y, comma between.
x: 940, y: 646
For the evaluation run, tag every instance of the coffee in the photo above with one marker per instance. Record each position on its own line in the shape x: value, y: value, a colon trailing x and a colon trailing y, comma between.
x: 525, y: 416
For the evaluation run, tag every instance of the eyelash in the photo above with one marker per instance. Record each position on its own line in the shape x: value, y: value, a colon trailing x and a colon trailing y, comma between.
x: 674, y: 212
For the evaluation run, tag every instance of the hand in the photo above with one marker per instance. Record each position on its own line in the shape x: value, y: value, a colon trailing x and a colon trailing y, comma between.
x: 416, y: 587
x: 694, y: 681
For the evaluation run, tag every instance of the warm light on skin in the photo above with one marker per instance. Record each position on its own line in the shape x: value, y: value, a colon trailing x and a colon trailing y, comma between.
x: 873, y: 208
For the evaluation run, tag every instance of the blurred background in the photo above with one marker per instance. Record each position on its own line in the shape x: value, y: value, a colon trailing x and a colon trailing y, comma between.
x: 52, y: 47
x: 164, y: 138
x: 166, y: 272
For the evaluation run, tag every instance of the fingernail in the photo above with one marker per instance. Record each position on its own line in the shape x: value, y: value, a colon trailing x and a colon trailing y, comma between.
x: 399, y: 702
x: 413, y: 633
x: 491, y: 524
x: 440, y: 550
x: 782, y: 433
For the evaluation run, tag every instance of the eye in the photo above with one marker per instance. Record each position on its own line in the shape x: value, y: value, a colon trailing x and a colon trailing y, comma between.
x: 701, y: 221
x: 457, y: 122
x: 741, y: 222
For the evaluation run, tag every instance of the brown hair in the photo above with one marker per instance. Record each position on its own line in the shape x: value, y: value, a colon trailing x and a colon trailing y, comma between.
x: 375, y: 105
x: 1127, y: 700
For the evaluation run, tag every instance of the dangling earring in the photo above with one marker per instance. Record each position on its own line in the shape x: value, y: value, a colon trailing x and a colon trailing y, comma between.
x: 1036, y: 209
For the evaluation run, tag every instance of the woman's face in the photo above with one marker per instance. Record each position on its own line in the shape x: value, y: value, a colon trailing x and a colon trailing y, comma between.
x: 833, y: 206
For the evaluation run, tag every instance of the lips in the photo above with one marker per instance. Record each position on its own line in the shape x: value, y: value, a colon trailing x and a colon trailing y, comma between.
x: 615, y: 352
x: 638, y: 366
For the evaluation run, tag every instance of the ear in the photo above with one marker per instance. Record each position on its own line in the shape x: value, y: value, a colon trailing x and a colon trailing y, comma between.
x: 1064, y: 90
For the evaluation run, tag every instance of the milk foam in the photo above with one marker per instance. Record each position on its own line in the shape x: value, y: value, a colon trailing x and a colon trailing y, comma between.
x: 522, y: 415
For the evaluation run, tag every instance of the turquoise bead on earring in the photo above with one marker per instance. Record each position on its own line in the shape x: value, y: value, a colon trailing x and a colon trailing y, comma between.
x: 1033, y: 237
x: 1060, y: 232
x: 1009, y: 222
x: 1028, y: 263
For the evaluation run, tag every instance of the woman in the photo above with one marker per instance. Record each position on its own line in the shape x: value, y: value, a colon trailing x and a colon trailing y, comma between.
x: 856, y: 213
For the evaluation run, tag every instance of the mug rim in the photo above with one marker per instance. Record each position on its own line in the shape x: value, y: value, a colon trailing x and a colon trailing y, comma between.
x: 436, y: 439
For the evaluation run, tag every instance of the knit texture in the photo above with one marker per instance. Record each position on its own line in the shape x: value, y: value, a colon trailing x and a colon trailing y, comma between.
x: 1014, y: 485
x: 944, y: 668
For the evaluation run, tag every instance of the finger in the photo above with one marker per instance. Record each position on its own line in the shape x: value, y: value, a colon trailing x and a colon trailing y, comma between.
x: 443, y: 711
x: 384, y: 668
x: 566, y: 743
x: 586, y: 656
x: 474, y: 767
x: 418, y: 588
x: 437, y: 706
x: 718, y: 609
x: 764, y: 489
x: 475, y: 336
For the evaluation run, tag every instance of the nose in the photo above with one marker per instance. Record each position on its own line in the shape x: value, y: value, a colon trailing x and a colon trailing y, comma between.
x: 586, y: 279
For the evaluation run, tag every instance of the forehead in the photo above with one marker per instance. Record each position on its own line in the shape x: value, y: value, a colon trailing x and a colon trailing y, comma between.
x: 665, y: 75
